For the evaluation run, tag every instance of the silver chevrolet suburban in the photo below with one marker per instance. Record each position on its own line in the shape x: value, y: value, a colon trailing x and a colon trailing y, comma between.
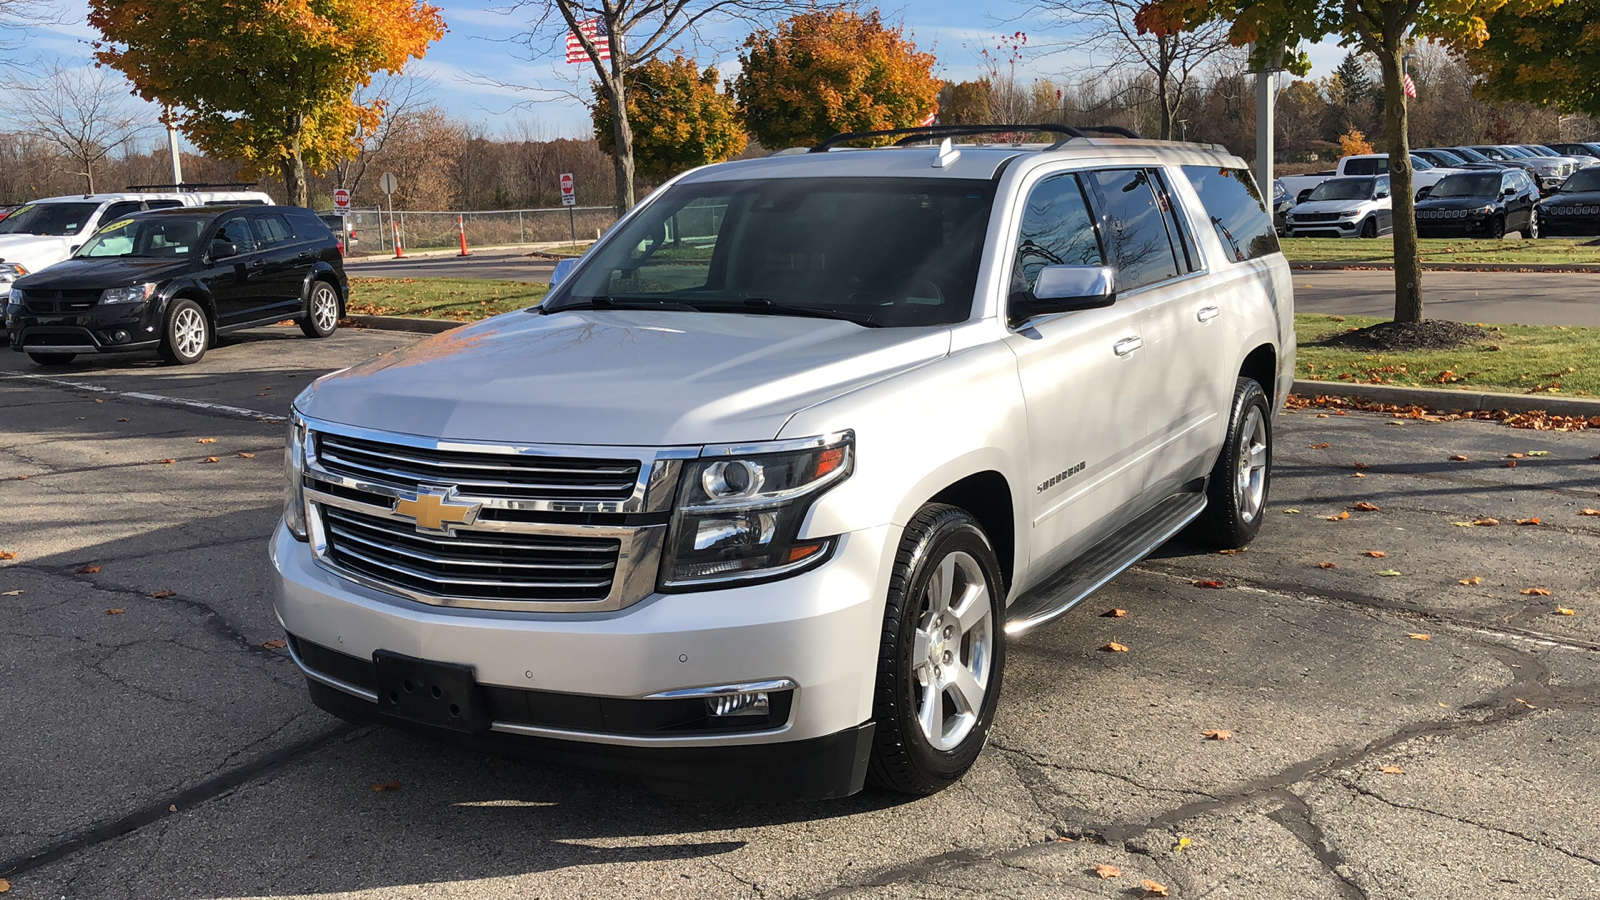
x: 753, y: 501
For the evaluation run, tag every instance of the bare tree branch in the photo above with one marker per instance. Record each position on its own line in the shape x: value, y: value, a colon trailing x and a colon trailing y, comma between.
x: 86, y: 114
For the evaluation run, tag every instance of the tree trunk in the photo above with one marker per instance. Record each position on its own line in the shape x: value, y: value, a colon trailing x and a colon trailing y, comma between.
x: 1164, y: 89
x: 622, y: 134
x: 293, y: 167
x: 1407, y: 265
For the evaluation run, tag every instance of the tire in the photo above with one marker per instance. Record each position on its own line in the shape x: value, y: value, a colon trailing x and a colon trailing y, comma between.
x: 1236, y: 492
x: 925, y: 742
x: 1497, y: 227
x: 52, y: 359
x: 322, y: 311
x: 1369, y: 228
x: 186, y: 334
x: 1530, y: 232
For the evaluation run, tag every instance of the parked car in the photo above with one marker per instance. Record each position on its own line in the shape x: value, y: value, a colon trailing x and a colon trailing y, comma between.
x: 173, y: 280
x: 753, y: 501
x: 1480, y: 204
x: 1454, y: 160
x: 1591, y: 150
x: 1547, y: 172
x: 1574, y: 207
x: 342, y: 229
x: 40, y: 234
x: 1280, y: 205
x: 1576, y: 162
x: 1424, y: 174
x: 1344, y: 207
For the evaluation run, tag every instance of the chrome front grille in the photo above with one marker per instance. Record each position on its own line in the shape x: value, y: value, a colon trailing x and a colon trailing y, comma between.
x: 489, y: 526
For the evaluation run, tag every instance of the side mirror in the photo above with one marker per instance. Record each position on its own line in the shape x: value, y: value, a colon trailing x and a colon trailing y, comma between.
x: 1382, y: 194
x: 563, y: 269
x: 1509, y: 192
x: 1065, y: 289
x: 221, y: 249
x: 1422, y: 193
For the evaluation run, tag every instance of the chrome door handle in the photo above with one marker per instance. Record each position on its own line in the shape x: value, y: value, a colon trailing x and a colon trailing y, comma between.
x: 1127, y: 345
x: 1207, y: 313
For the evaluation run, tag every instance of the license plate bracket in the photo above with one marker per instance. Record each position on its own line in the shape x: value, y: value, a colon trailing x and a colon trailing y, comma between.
x: 445, y: 695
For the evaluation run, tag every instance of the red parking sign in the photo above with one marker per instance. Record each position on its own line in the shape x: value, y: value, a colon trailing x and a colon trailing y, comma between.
x: 568, y: 196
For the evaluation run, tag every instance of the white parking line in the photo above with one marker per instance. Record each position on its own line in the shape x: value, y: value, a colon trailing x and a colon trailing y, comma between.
x: 154, y: 398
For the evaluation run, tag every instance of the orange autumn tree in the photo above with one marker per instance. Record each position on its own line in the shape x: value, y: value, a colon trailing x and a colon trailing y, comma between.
x: 829, y: 71
x: 679, y: 118
x: 268, y: 81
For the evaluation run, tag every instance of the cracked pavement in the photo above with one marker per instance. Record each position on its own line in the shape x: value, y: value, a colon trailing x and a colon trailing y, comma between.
x: 168, y: 751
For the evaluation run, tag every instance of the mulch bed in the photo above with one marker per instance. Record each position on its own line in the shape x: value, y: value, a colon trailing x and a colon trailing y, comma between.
x: 1432, y: 334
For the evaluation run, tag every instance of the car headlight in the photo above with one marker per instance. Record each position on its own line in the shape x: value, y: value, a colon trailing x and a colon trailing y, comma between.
x: 1484, y: 210
x: 16, y: 297
x: 1350, y: 214
x: 294, y: 468
x: 739, y: 513
x: 136, y: 294
x: 10, y: 272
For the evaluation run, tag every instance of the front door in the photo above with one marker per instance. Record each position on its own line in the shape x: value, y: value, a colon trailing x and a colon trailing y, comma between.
x: 236, y: 282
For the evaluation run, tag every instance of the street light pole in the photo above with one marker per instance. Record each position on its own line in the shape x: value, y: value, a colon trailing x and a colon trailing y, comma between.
x: 172, y: 146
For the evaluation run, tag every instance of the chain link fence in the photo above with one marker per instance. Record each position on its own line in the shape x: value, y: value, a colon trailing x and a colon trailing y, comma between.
x: 435, y: 230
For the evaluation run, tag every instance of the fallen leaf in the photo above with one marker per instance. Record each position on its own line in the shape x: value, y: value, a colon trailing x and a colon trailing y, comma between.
x: 1459, y: 458
x: 1320, y: 446
x: 1340, y: 517
x: 8, y: 554
x: 1388, y: 573
x: 1532, y: 521
x: 275, y: 644
x: 1358, y: 474
x: 162, y: 595
x: 1208, y: 584
x: 168, y: 462
x: 22, y: 478
x: 1535, y: 592
x: 1364, y: 506
x: 13, y: 593
x: 1391, y: 770
x: 116, y: 612
x: 1063, y: 839
x: 1514, y: 456
x: 1476, y: 579
x: 1360, y: 465
x: 205, y: 440
x: 172, y: 807
x: 382, y: 786
x: 4, y: 885
x: 1376, y: 554
x: 1509, y: 465
x: 1113, y: 613
x: 1105, y: 871
x: 1462, y: 524
x: 1589, y: 512
x: 1182, y: 845
x: 1154, y: 889
x: 1486, y: 522
x: 1326, y: 565
x: 1525, y: 703
x: 88, y: 570
x: 1114, y: 647
x: 1217, y: 734
x: 1566, y: 611
x: 210, y: 459
x: 1291, y: 511
x: 1420, y: 637
x: 124, y: 420
x: 1231, y: 551
x: 1538, y: 452
x: 97, y: 400
x: 1322, y: 415
x: 247, y: 456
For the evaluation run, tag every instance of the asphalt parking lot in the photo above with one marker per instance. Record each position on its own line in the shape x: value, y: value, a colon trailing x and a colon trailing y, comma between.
x: 1395, y: 732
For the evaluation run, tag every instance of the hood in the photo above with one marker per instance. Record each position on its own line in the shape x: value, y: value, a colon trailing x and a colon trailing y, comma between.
x: 1572, y: 198
x: 33, y: 251
x: 102, y: 273
x: 1457, y: 202
x: 612, y: 377
x: 1333, y: 206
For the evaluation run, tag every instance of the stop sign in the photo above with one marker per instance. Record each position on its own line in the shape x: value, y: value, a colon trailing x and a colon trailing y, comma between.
x: 341, y: 199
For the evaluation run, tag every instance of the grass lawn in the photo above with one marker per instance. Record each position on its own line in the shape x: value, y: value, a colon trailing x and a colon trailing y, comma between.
x: 1519, y: 359
x: 1501, y: 252
x: 464, y: 299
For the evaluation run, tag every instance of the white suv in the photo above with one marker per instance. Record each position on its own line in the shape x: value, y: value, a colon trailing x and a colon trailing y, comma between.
x: 753, y: 501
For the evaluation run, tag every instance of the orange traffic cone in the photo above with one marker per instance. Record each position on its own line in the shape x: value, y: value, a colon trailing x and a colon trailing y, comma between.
x: 399, y: 251
x: 461, y: 228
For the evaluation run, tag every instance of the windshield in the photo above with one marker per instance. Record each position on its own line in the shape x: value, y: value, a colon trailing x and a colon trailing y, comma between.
x: 1517, y: 152
x: 146, y: 236
x: 1469, y: 154
x: 1582, y: 180
x: 1420, y: 164
x: 1537, y: 150
x: 1343, y: 189
x: 1446, y: 158
x: 892, y: 251
x: 1484, y: 185
x: 59, y: 219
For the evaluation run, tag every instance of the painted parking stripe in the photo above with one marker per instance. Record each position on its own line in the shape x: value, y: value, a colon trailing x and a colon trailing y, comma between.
x: 220, y: 408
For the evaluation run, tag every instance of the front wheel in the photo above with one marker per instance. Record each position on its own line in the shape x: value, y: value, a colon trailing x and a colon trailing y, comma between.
x: 184, y: 339
x: 322, y: 313
x: 1236, y: 493
x: 1369, y: 228
x: 941, y: 654
x: 52, y: 359
x: 1497, y: 227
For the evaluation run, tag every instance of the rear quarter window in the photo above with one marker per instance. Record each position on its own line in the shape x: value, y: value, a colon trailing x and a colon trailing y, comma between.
x: 1236, y: 211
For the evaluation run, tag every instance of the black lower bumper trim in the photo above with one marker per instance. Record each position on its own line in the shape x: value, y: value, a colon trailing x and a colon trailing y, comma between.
x: 820, y: 768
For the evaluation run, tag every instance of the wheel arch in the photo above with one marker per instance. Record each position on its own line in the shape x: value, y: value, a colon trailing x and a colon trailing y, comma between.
x: 1261, y: 365
x: 199, y: 295
x: 322, y: 271
x: 986, y: 496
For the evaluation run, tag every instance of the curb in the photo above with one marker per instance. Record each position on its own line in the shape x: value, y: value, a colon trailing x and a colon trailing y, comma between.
x: 1447, y: 400
x: 1504, y: 268
x: 402, y: 323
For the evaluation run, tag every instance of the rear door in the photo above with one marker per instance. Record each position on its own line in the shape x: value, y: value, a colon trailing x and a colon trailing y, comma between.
x: 288, y: 258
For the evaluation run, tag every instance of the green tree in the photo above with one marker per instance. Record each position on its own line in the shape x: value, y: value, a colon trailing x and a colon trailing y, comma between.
x: 269, y: 83
x: 682, y: 119
x: 1381, y: 28
x: 823, y: 72
x: 1548, y: 54
x: 1355, y: 85
x: 964, y: 103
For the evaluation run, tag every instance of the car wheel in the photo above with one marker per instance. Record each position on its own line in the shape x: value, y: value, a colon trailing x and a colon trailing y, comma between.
x: 1497, y: 227
x: 1369, y: 228
x: 1531, y: 230
x: 1236, y: 493
x: 186, y: 335
x: 52, y: 359
x: 941, y: 654
x: 322, y: 313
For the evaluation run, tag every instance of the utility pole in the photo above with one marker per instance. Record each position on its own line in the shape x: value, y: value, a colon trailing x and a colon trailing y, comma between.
x: 172, y: 146
x: 1266, y: 95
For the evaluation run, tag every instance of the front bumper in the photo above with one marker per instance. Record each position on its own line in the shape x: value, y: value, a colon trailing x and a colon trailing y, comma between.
x: 1465, y: 227
x: 1574, y: 225
x: 121, y: 328
x: 582, y: 677
x: 1340, y: 228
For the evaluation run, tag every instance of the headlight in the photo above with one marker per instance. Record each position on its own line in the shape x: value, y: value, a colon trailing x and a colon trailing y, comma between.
x: 739, y: 513
x: 136, y: 294
x: 1351, y: 214
x: 1484, y: 210
x: 294, y: 467
x: 10, y: 272
x: 16, y: 297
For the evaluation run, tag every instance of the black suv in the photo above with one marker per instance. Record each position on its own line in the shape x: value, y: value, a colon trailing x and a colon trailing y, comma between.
x: 1574, y: 208
x: 172, y: 280
x: 1480, y: 204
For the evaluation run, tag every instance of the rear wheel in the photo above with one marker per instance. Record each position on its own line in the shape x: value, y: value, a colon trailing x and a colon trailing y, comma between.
x: 52, y: 359
x: 1531, y: 230
x: 1369, y: 228
x: 322, y: 313
x: 184, y: 339
x: 941, y: 654
x: 1236, y: 494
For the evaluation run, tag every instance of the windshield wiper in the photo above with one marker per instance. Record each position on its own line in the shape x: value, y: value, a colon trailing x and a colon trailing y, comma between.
x: 603, y: 301
x: 760, y: 305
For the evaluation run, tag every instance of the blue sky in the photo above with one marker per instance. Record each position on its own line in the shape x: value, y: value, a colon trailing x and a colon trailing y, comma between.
x: 480, y: 49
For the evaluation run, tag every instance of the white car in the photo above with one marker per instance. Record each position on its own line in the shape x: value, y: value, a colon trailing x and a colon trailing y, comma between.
x: 1343, y: 207
x: 40, y: 234
x: 753, y: 502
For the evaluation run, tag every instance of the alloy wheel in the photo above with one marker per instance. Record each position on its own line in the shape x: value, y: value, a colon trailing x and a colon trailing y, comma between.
x: 324, y: 309
x: 953, y: 653
x: 189, y: 332
x: 1250, y: 481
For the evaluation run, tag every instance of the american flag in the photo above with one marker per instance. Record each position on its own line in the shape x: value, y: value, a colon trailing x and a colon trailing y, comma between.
x: 595, y: 31
x: 1411, y: 86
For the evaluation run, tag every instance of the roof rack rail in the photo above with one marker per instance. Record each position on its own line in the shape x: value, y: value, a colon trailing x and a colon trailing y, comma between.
x: 927, y: 132
x: 193, y: 186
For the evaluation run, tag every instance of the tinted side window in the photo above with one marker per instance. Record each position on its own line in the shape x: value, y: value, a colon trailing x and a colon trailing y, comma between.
x: 163, y: 204
x: 236, y: 229
x: 1136, y: 231
x: 1182, y: 240
x: 117, y: 210
x: 272, y: 229
x: 1236, y: 211
x: 1057, y: 230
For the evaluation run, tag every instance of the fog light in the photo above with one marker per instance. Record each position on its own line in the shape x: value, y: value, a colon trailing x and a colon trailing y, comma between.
x: 753, y: 703
x: 119, y: 337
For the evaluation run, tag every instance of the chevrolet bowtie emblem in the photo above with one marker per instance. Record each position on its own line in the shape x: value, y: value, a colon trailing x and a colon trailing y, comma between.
x: 435, y: 511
